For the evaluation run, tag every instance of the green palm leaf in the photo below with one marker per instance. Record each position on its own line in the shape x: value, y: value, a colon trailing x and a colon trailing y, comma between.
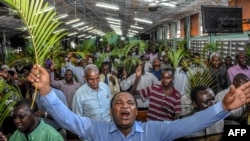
x: 40, y: 26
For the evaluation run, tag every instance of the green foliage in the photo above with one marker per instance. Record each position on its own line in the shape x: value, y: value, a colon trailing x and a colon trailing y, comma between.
x: 207, y: 49
x: 176, y: 56
x: 9, y: 95
x: 110, y: 38
x: 40, y: 25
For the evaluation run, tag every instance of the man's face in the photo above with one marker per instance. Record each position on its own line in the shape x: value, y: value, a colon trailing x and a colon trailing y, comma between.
x: 167, y: 78
x: 23, y: 119
x: 124, y: 110
x: 228, y: 61
x: 242, y: 60
x: 105, y: 69
x: 68, y: 76
x: 84, y: 62
x: 216, y: 62
x: 92, y: 78
x: 204, y: 100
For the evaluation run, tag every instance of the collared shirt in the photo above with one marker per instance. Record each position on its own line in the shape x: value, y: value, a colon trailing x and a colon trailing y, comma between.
x: 68, y: 89
x: 157, y: 73
x: 161, y: 107
x: 236, y: 69
x: 114, y: 88
x: 43, y: 132
x: 146, y: 80
x: 78, y: 72
x: 142, y: 131
x: 92, y: 103
x: 49, y: 121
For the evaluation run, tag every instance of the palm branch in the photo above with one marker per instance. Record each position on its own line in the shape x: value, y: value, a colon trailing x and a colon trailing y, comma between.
x: 9, y: 95
x: 40, y: 26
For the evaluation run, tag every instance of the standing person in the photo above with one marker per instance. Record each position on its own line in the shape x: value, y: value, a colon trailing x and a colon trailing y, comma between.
x: 164, y: 99
x: 236, y: 115
x: 108, y: 78
x: 29, y: 126
x: 123, y: 109
x: 240, y: 67
x: 147, y: 79
x: 156, y: 71
x: 228, y: 62
x: 218, y: 72
x: 68, y: 85
x: 203, y: 97
x: 92, y: 99
x: 77, y: 70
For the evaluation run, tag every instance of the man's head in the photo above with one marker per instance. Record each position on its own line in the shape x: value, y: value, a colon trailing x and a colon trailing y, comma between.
x: 69, y: 76
x: 106, y: 68
x: 202, y: 97
x: 228, y: 60
x: 156, y: 63
x: 123, y: 109
x: 24, y: 116
x: 167, y: 77
x: 215, y: 60
x: 240, y: 79
x: 241, y: 58
x: 84, y: 62
x: 92, y: 76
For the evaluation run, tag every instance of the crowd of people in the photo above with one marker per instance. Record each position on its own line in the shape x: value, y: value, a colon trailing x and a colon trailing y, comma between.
x: 102, y: 103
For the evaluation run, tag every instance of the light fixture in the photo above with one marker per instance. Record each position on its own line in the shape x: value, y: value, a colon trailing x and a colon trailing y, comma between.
x: 143, y: 20
x: 62, y: 29
x: 71, y: 34
x: 168, y: 4
x: 112, y: 19
x: 106, y: 5
x: 46, y: 9
x: 72, y: 21
x: 137, y: 27
x: 61, y: 16
x: 78, y: 24
x: 82, y: 28
x: 117, y: 23
x: 81, y: 35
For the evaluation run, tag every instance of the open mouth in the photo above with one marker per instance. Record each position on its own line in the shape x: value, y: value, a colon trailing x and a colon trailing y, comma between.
x: 125, y: 115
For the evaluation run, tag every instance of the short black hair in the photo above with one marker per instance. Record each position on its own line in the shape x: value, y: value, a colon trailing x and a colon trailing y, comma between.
x: 111, y: 102
x: 167, y: 70
x: 195, y: 90
x: 28, y: 103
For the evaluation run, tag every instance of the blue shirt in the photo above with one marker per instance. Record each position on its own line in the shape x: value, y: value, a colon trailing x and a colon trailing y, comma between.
x: 92, y: 103
x: 61, y: 97
x: 142, y: 131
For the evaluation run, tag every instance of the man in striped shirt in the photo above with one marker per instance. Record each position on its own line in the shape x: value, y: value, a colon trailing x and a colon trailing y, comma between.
x: 164, y: 99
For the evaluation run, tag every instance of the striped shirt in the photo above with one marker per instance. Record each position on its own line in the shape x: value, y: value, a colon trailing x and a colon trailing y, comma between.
x: 161, y: 107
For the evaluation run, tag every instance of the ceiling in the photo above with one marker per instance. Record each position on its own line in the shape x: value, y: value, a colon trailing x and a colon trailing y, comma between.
x: 95, y: 17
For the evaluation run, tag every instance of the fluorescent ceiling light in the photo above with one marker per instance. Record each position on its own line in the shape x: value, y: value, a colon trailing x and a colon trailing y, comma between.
x: 143, y: 20
x: 137, y: 27
x: 83, y: 27
x: 134, y: 31
x: 78, y: 24
x: 114, y: 23
x: 47, y: 9
x: 106, y: 5
x: 112, y: 19
x: 81, y: 35
x: 62, y: 29
x: 73, y: 21
x: 88, y: 36
x: 168, y: 4
x: 71, y: 34
x: 89, y: 28
x: 61, y: 16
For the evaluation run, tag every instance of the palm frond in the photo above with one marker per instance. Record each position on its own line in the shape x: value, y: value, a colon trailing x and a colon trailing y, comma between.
x: 9, y: 95
x: 40, y: 25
